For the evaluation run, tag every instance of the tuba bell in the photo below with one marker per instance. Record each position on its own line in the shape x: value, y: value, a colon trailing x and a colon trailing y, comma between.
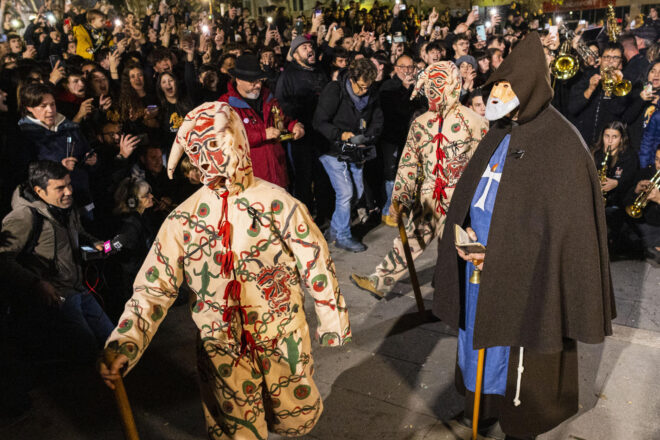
x: 565, y: 66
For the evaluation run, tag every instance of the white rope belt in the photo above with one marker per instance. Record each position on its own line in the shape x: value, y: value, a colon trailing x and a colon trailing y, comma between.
x: 516, y: 400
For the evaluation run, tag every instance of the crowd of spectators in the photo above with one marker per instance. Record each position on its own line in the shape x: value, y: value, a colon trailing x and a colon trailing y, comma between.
x: 102, y: 92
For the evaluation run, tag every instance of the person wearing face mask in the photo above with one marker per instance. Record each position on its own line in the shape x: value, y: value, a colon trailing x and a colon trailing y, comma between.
x: 255, y: 105
x: 439, y: 145
x: 544, y: 277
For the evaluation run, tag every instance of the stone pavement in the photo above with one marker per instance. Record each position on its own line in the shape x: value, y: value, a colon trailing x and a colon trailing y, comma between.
x: 394, y: 381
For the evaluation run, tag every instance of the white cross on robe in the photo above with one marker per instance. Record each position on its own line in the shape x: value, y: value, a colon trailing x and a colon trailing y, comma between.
x: 491, y: 175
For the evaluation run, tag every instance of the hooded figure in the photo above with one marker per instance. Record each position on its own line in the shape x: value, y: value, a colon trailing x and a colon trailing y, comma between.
x: 440, y: 143
x: 246, y: 248
x: 531, y: 195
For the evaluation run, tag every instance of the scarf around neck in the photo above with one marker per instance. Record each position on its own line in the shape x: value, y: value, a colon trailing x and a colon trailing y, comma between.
x: 360, y: 102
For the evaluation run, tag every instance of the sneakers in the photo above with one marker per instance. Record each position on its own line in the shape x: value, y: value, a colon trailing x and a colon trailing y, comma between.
x: 365, y: 283
x: 389, y: 221
x: 349, y: 244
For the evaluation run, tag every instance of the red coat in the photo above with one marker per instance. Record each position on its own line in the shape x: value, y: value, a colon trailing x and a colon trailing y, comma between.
x: 268, y: 156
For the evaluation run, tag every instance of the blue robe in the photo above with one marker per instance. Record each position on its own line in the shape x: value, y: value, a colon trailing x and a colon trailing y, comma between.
x: 481, y: 210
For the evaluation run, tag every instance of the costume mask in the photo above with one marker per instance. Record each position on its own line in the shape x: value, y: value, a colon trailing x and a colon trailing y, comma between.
x: 213, y: 137
x: 441, y: 84
x: 501, y: 102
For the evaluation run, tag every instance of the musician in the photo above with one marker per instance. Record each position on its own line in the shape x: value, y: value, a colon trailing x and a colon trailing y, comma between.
x: 545, y: 281
x: 648, y: 226
x: 617, y: 174
x: 588, y: 107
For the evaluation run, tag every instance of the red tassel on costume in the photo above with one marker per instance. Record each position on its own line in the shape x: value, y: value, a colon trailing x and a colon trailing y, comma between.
x: 233, y: 290
x: 224, y: 231
x: 226, y: 263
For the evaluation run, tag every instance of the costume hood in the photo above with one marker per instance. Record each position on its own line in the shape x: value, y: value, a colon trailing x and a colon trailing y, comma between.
x: 213, y: 137
x: 441, y: 84
x: 527, y: 71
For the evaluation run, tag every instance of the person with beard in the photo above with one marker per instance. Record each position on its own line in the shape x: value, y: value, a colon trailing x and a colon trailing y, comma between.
x: 545, y: 277
x: 439, y: 145
x: 40, y: 259
x: 298, y: 90
x: 255, y: 104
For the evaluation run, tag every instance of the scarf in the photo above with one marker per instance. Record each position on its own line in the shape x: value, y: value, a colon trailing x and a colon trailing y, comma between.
x: 360, y: 102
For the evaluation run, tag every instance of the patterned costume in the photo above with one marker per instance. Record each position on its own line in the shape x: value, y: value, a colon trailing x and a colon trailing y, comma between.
x: 439, y: 145
x: 246, y: 248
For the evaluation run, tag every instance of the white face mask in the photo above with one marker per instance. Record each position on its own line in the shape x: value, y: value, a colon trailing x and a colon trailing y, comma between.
x: 496, y: 109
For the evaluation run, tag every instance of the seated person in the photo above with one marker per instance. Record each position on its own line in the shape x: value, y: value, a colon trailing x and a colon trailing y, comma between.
x: 648, y: 224
x: 40, y: 256
x: 620, y: 170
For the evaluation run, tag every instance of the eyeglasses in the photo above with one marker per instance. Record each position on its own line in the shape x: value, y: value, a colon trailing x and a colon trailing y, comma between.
x: 408, y: 68
x: 361, y: 87
x: 611, y: 58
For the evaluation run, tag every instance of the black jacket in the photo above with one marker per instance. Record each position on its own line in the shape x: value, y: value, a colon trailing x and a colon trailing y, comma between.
x: 298, y: 90
x: 636, y: 69
x: 623, y: 170
x: 336, y: 113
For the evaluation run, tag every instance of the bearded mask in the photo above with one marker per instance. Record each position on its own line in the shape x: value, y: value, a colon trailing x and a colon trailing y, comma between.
x: 441, y: 84
x: 501, y: 102
x: 214, y: 138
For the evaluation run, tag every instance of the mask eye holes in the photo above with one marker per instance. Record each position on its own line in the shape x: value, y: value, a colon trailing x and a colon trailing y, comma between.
x: 194, y: 149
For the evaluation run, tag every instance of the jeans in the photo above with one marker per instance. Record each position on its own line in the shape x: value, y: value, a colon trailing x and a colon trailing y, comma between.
x: 342, y: 177
x: 389, y: 186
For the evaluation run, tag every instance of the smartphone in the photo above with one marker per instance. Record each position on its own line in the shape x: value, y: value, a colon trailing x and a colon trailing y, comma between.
x: 88, y: 249
x: 67, y: 21
x: 582, y: 22
x: 299, y: 27
x: 54, y: 59
x: 90, y: 153
x: 152, y: 107
x: 318, y: 12
x: 389, y: 39
x: 481, y: 32
x: 648, y: 88
x: 632, y: 24
x: 402, y: 7
x: 553, y: 30
x: 399, y: 39
x: 475, y: 9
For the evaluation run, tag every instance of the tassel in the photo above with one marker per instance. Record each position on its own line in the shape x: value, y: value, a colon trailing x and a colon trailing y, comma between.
x: 233, y: 291
x: 226, y: 263
x: 224, y: 231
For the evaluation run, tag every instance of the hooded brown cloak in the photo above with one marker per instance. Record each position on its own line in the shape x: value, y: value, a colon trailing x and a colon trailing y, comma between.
x: 546, y: 279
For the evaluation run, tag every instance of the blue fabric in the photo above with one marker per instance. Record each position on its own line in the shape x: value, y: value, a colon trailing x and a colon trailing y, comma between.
x: 237, y: 102
x: 481, y: 211
x: 360, y: 102
x: 389, y: 186
x: 342, y: 181
x: 650, y: 141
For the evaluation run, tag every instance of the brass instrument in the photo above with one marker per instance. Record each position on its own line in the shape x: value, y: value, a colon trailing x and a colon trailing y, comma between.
x: 602, y: 172
x: 582, y: 49
x: 635, y: 210
x: 613, y: 30
x: 565, y: 66
x: 278, y: 122
x: 614, y: 84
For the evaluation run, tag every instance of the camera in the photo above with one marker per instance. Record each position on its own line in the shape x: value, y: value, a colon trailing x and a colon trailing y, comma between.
x: 358, y: 149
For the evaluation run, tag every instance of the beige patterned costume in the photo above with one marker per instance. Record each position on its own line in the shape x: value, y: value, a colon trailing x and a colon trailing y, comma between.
x: 246, y: 248
x: 439, y: 145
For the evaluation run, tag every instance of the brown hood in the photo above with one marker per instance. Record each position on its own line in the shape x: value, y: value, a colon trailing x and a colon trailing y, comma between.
x: 527, y: 71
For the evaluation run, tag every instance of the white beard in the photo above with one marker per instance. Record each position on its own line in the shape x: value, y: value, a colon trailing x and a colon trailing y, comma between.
x: 496, y: 109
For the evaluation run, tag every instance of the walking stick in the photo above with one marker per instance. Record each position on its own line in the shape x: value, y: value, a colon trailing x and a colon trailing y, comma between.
x: 124, y: 407
x: 409, y: 259
x: 475, y: 278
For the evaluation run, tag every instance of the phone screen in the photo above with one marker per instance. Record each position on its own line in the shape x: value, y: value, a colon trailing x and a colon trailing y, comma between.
x: 87, y: 249
x: 402, y: 7
x: 552, y: 30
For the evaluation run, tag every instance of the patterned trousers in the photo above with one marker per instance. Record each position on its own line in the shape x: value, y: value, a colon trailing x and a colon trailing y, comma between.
x: 421, y: 228
x: 245, y: 397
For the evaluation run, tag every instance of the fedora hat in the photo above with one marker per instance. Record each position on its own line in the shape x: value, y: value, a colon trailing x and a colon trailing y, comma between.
x: 247, y: 68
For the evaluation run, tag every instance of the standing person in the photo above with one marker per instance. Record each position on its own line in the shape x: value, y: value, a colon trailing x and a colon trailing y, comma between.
x: 254, y: 104
x: 347, y: 108
x: 397, y: 112
x: 439, y: 145
x: 298, y: 90
x: 245, y: 248
x: 545, y: 280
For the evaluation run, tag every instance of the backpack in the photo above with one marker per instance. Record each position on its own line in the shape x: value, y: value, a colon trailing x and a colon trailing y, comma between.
x: 35, y: 232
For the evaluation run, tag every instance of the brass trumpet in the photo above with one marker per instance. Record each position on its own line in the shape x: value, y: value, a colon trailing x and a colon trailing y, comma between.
x: 635, y: 210
x: 565, y: 66
x: 613, y: 83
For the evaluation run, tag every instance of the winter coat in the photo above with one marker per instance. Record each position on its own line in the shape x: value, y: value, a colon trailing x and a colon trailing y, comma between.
x: 56, y: 254
x: 650, y: 141
x: 268, y: 155
x: 90, y: 40
x: 45, y: 144
x: 298, y: 91
x: 336, y: 113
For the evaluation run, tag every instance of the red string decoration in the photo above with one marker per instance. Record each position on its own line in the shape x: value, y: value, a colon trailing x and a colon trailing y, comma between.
x: 439, y: 193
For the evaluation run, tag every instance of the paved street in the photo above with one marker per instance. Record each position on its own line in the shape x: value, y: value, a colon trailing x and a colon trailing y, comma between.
x: 395, y: 381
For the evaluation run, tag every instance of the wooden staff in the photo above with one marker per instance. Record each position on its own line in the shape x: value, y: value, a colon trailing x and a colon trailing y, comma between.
x: 409, y: 259
x: 476, y: 279
x: 124, y: 407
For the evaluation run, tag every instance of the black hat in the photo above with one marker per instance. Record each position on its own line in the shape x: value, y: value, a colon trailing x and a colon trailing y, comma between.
x: 646, y: 33
x: 247, y: 68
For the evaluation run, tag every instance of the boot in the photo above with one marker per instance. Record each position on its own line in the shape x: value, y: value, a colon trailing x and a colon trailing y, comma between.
x: 366, y: 284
